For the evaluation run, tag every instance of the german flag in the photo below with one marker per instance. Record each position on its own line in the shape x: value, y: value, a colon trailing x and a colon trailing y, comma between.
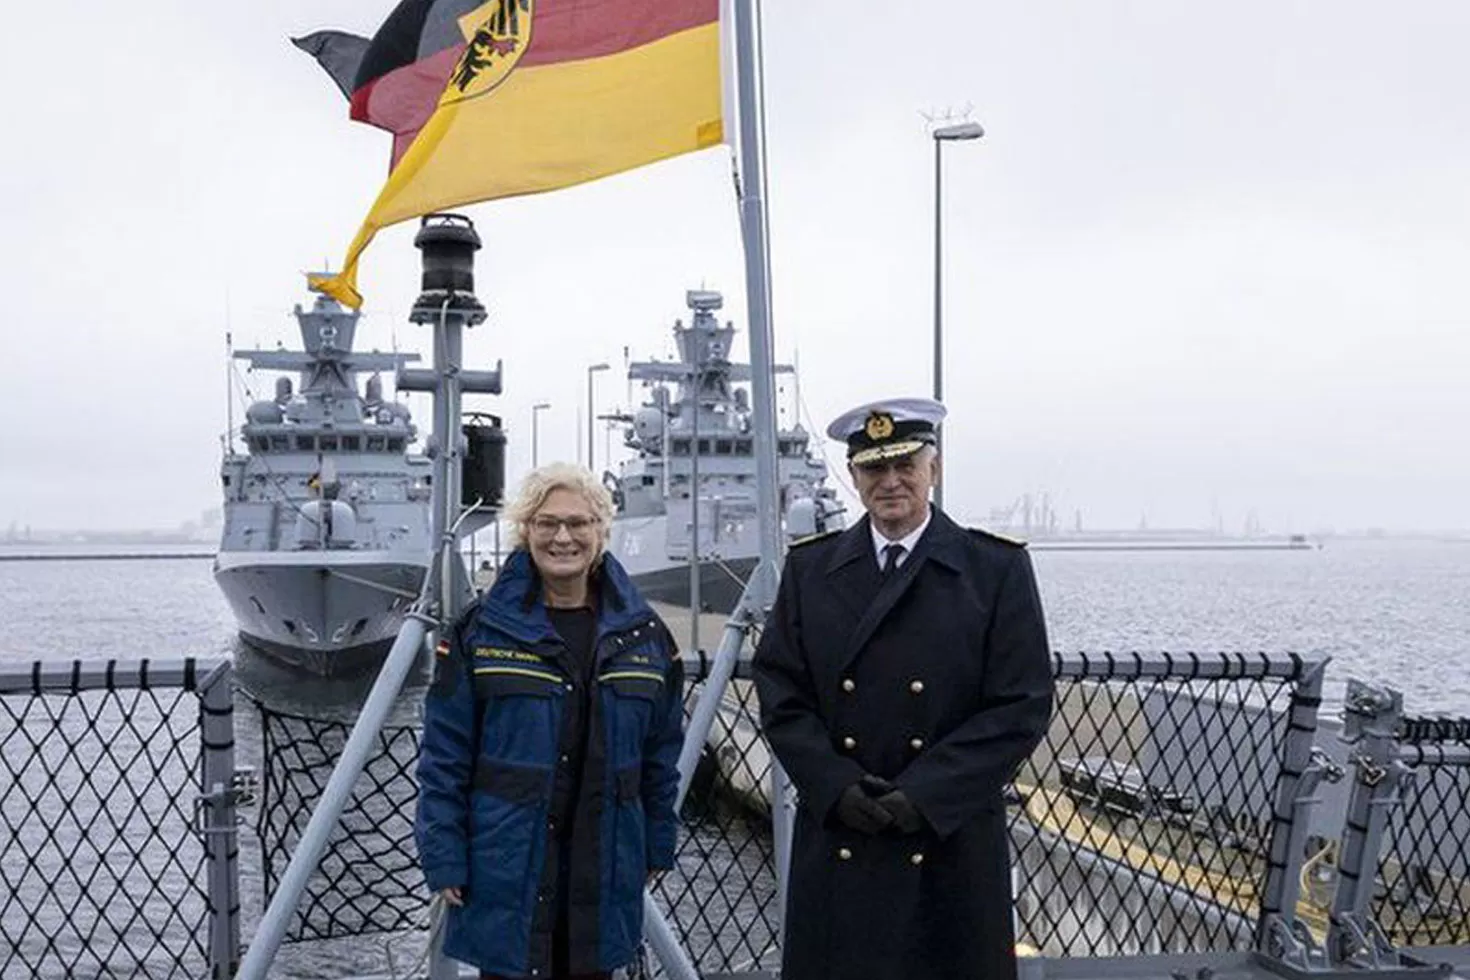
x: 511, y: 97
x: 394, y: 80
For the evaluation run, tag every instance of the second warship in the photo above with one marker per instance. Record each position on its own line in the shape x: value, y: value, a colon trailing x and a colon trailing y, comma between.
x: 695, y: 450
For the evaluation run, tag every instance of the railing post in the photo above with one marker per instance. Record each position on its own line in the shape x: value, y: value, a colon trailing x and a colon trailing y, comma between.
x: 783, y: 823
x: 1370, y: 725
x: 441, y: 967
x: 218, y: 819
x: 656, y: 928
x: 666, y: 949
x: 1303, y: 767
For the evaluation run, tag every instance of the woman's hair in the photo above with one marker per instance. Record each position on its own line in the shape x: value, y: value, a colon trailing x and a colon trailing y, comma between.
x: 539, y: 484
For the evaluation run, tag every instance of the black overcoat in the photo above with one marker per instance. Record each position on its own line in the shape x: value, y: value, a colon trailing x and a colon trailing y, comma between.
x: 939, y: 680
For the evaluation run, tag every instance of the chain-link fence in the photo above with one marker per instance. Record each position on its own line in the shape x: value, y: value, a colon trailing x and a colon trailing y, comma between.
x: 1163, y: 813
x: 103, y: 845
x: 721, y: 898
x: 368, y: 879
x: 1422, y: 897
x: 1145, y: 819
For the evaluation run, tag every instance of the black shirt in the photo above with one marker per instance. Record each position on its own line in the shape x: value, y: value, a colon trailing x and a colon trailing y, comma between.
x: 578, y: 630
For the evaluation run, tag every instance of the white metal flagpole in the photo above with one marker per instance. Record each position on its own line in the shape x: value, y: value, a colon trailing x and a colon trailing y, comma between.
x: 760, y: 592
x: 751, y: 184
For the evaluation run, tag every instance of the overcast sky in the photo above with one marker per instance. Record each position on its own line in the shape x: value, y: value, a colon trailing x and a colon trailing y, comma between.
x: 1208, y: 257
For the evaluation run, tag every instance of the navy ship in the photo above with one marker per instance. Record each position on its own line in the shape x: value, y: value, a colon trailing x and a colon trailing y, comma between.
x: 696, y: 431
x: 326, y: 536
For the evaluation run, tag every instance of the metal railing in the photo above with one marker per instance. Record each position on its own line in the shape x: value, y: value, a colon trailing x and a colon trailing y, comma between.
x: 117, y: 856
x: 1173, y: 811
x: 1167, y: 784
x: 1412, y: 797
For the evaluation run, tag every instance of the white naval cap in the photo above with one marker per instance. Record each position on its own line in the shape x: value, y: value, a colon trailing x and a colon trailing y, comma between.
x: 887, y: 429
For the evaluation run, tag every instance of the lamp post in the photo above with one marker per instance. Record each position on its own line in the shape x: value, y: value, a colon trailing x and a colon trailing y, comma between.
x: 536, y: 411
x: 591, y: 412
x: 942, y: 135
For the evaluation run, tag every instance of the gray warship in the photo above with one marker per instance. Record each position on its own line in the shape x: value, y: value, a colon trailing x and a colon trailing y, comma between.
x: 696, y: 430
x: 326, y: 537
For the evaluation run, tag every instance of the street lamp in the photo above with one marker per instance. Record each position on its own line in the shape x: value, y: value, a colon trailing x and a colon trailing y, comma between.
x: 942, y: 135
x: 536, y: 410
x: 591, y: 412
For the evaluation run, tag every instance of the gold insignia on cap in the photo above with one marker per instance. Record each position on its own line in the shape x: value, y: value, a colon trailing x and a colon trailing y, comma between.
x: 879, y: 426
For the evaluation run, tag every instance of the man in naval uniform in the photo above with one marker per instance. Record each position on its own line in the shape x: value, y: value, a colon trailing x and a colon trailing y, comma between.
x: 903, y: 676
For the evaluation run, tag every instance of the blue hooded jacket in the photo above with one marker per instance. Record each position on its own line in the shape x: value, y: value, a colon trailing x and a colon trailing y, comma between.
x: 488, y: 767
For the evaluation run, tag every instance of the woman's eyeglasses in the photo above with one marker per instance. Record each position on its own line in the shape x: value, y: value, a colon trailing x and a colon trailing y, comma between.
x: 546, y: 526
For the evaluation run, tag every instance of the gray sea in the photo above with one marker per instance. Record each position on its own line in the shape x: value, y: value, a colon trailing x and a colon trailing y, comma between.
x: 1392, y: 611
x: 1388, y: 610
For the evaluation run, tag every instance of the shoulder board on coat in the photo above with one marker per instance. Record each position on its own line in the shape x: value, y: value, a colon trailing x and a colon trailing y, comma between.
x: 980, y: 532
x: 668, y: 635
x: 808, y: 539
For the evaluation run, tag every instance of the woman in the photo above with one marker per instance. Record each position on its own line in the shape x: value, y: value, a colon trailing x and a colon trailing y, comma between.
x: 548, y: 766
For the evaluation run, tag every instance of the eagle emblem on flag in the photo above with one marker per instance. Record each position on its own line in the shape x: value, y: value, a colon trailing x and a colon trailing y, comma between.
x: 496, y: 36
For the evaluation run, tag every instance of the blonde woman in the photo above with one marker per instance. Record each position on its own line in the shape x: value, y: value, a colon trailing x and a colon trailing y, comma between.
x: 547, y: 770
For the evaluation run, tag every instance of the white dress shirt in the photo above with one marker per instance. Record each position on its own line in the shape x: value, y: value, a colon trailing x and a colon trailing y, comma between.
x: 908, y: 541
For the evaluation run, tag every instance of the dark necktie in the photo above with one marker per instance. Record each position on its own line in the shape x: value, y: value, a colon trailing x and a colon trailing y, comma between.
x: 891, y: 554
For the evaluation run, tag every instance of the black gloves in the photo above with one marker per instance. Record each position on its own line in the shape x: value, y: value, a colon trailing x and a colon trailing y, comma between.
x: 906, y: 817
x: 872, y: 805
x: 856, y: 809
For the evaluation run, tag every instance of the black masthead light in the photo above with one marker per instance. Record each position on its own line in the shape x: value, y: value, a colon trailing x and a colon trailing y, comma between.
x: 448, y: 243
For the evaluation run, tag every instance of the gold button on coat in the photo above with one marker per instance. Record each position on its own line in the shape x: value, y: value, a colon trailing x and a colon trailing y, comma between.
x: 849, y: 743
x: 916, y: 858
x: 844, y: 853
x: 916, y: 744
x: 917, y: 687
x: 848, y: 685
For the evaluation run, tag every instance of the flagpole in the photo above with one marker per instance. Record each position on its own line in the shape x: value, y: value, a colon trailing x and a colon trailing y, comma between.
x: 751, y: 183
x: 760, y: 592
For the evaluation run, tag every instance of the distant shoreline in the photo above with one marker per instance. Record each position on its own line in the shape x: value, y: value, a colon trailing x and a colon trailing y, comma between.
x: 107, y: 556
x: 1044, y: 544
